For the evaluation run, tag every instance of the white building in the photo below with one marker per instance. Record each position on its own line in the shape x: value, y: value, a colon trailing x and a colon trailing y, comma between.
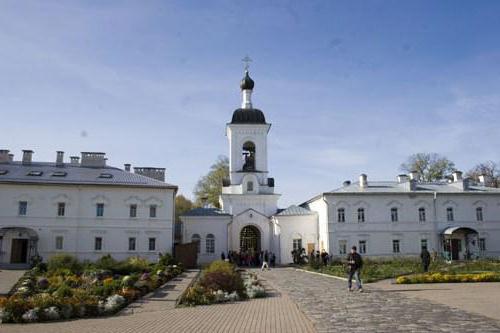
x: 85, y: 208
x: 457, y: 219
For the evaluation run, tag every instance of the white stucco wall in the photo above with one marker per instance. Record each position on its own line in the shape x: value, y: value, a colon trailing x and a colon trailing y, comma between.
x: 80, y: 225
x: 295, y: 227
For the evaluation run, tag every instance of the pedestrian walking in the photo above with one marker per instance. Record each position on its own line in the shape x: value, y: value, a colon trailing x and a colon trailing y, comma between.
x: 265, y: 261
x: 426, y: 259
x: 273, y: 260
x: 355, y: 263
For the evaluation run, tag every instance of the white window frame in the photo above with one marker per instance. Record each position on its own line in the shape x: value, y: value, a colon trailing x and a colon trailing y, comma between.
x: 152, y: 240
x: 341, y: 215
x: 342, y: 246
x: 450, y: 216
x: 481, y: 244
x: 153, y: 211
x: 297, y: 244
x: 396, y: 246
x: 132, y: 244
x: 422, y: 214
x: 61, y: 209
x: 59, y: 243
x: 99, y: 209
x: 479, y: 214
x: 132, y: 212
x: 361, y: 215
x: 362, y: 246
x: 101, y: 242
x: 210, y: 244
x: 394, y: 214
x: 22, y: 209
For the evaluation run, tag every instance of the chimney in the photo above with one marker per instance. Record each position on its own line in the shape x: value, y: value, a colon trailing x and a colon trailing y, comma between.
x: 93, y: 160
x: 154, y: 173
x: 402, y: 178
x: 414, y: 175
x: 11, y: 157
x: 363, y: 180
x: 457, y: 176
x: 75, y: 160
x: 60, y: 158
x: 127, y: 167
x: 4, y: 156
x: 27, y: 155
x: 346, y: 183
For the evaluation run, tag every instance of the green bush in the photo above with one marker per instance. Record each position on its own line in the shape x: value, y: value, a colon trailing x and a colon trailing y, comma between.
x: 221, y: 275
x: 64, y: 261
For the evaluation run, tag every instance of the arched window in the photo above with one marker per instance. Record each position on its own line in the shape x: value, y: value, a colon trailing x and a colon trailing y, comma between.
x: 210, y: 244
x: 248, y: 154
x: 250, y: 186
x: 196, y: 239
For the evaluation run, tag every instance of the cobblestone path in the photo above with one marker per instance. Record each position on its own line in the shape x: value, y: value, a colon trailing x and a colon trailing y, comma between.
x: 332, y: 308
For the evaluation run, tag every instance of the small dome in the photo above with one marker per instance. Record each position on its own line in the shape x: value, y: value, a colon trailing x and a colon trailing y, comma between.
x: 247, y: 82
x: 248, y: 116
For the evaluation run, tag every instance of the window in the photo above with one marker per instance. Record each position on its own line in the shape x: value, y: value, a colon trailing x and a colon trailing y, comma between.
x: 249, y: 186
x: 395, y: 246
x: 98, y: 243
x: 59, y: 242
x: 361, y: 215
x: 297, y: 244
x: 362, y: 246
x: 61, y: 209
x: 479, y: 214
x: 341, y: 215
x: 133, y: 211
x: 196, y: 239
x: 342, y: 247
x: 131, y: 244
x: 421, y: 214
x: 23, y: 208
x: 100, y: 209
x: 449, y: 214
x: 152, y: 244
x: 35, y: 173
x: 482, y: 244
x: 394, y: 214
x: 59, y: 174
x: 105, y: 175
x: 423, y: 244
x: 152, y: 211
x: 210, y: 244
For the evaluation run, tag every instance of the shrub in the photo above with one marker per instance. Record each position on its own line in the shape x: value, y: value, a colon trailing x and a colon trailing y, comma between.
x: 63, y: 291
x: 221, y: 275
x: 166, y: 260
x: 64, y: 261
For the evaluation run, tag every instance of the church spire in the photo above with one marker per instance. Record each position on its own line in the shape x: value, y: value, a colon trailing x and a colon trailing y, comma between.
x: 246, y: 86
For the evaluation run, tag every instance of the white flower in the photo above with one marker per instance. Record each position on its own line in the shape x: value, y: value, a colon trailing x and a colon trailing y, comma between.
x: 113, y: 303
x: 31, y: 315
x: 51, y: 313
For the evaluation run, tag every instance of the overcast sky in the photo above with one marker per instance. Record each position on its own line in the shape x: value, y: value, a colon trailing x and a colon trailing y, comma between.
x: 349, y: 87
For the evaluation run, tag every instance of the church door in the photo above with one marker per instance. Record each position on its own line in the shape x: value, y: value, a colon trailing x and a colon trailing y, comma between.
x: 250, y: 239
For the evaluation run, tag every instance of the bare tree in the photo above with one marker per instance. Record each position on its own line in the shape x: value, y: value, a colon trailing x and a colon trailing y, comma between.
x: 489, y: 169
x: 429, y: 166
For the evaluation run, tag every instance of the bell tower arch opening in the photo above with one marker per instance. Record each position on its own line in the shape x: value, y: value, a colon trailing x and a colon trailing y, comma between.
x: 248, y: 154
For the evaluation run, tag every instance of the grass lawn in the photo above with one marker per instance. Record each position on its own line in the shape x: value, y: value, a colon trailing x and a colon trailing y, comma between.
x: 376, y: 270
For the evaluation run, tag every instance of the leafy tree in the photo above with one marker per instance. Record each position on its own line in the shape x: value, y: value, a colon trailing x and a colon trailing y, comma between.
x: 209, y: 187
x: 429, y: 166
x: 182, y: 205
x: 489, y: 169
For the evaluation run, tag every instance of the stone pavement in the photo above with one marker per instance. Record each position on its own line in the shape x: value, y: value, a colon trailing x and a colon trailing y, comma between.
x: 8, y: 278
x: 332, y: 308
x: 480, y: 298
x: 272, y: 314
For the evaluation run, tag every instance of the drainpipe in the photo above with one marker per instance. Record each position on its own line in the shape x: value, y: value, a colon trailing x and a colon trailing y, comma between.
x: 437, y: 238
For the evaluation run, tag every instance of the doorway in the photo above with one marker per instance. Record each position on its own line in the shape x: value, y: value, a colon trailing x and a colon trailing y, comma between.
x: 19, y: 251
x: 250, y: 239
x: 456, y: 247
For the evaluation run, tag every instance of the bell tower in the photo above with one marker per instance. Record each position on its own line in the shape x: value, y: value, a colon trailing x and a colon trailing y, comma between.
x: 249, y: 185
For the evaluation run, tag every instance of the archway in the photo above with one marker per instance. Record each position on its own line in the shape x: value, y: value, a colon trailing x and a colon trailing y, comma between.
x: 250, y: 239
x: 248, y: 156
x: 18, y: 245
x: 460, y: 243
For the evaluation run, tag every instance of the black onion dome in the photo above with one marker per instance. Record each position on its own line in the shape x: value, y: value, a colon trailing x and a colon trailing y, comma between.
x: 247, y: 82
x: 248, y: 116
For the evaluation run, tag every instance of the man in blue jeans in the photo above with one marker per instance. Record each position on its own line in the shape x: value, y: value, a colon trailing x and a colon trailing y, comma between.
x: 355, y: 263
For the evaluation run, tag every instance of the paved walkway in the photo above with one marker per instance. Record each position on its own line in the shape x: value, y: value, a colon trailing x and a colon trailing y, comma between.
x: 157, y: 314
x: 333, y: 309
x: 8, y: 278
x: 479, y: 298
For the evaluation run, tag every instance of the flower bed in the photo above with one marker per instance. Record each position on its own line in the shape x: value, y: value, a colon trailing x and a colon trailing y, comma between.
x: 66, y: 288
x: 222, y: 282
x: 449, y: 278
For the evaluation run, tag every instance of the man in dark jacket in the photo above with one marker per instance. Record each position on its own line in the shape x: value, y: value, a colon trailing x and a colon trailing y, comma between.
x: 426, y: 259
x: 355, y: 263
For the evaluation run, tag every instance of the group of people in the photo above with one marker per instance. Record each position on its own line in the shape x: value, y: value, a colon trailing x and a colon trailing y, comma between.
x: 250, y: 258
x: 300, y: 257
